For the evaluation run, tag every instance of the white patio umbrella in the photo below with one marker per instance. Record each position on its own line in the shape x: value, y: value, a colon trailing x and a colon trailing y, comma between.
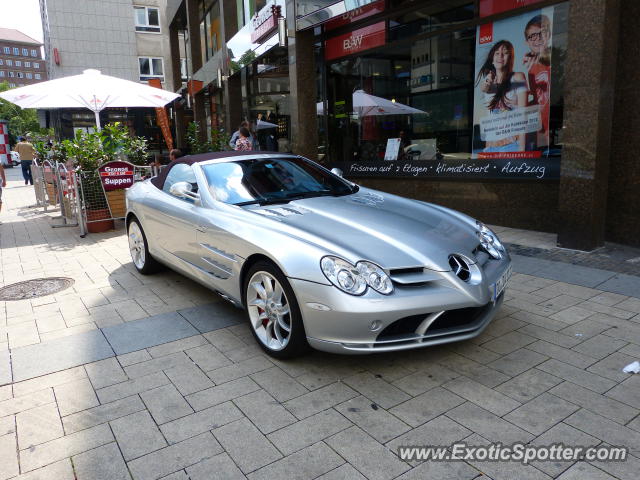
x: 90, y: 90
x: 263, y: 125
x: 365, y: 104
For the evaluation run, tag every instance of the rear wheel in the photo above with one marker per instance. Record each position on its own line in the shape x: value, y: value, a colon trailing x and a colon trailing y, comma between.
x: 139, y: 249
x: 273, y: 311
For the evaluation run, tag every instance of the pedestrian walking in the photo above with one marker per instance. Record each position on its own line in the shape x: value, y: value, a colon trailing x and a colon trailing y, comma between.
x: 236, y: 134
x: 243, y: 142
x: 27, y: 153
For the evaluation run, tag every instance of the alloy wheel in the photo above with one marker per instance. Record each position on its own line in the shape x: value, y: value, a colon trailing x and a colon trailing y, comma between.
x: 136, y: 245
x: 269, y: 311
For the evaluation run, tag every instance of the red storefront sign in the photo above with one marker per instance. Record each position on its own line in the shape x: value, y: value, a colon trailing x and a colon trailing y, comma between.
x: 265, y: 23
x: 355, y: 15
x: 354, y: 42
x: 486, y: 33
x: 491, y: 7
x: 162, y: 119
x: 116, y: 175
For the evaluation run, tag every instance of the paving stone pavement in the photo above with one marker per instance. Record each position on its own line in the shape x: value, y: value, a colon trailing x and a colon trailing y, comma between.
x: 125, y: 376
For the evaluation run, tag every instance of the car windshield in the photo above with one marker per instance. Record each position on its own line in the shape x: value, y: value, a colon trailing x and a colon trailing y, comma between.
x: 272, y: 180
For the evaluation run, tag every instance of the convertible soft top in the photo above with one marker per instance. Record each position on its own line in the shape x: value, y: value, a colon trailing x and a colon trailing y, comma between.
x: 200, y: 157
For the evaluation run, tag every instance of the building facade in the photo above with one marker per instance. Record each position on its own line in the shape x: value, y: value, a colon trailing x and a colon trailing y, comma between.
x: 21, y: 61
x: 125, y: 39
x: 518, y: 112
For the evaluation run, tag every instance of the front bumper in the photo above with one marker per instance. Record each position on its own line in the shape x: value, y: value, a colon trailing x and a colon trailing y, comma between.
x: 340, y: 323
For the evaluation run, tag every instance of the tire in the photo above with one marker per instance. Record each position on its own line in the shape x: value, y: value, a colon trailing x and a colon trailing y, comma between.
x: 139, y: 249
x: 273, y: 311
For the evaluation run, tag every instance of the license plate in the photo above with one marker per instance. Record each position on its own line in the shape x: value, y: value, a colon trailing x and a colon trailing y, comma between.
x: 498, y: 287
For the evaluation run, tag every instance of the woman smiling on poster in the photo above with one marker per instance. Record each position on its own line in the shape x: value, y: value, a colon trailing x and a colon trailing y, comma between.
x: 504, y: 90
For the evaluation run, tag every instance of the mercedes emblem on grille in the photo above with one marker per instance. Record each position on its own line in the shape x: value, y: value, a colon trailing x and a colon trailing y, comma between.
x: 460, y: 267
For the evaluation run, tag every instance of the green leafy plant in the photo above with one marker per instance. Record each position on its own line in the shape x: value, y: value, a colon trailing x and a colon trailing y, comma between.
x: 219, y: 140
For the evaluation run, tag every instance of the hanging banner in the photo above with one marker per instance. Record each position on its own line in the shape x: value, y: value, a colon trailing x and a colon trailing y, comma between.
x: 513, y: 69
x: 162, y: 118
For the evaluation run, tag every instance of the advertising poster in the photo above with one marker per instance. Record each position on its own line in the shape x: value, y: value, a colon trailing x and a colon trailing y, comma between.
x: 513, y: 69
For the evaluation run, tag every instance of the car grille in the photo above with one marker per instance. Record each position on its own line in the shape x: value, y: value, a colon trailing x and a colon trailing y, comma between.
x: 450, y: 320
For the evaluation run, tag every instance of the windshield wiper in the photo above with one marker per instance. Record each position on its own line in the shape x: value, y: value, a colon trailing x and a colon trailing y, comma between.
x: 264, y: 201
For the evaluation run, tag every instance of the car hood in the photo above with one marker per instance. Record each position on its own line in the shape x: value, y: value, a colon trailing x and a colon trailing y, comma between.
x: 392, y: 231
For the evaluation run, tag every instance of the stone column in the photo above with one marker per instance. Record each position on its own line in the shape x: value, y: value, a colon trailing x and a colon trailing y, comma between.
x: 174, y: 48
x: 195, y: 54
x: 232, y: 94
x: 590, y: 73
x: 302, y: 88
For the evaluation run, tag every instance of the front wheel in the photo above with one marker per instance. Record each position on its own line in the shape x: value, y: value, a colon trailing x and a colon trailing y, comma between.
x: 273, y: 311
x: 139, y: 249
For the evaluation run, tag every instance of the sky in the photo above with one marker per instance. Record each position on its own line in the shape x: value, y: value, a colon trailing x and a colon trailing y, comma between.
x: 23, y: 15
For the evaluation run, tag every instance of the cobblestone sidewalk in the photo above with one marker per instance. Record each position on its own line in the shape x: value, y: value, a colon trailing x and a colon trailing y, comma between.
x: 124, y: 376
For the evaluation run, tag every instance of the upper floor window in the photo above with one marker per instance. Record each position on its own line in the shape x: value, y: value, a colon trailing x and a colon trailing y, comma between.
x: 12, y: 74
x: 1, y: 73
x: 37, y: 76
x: 18, y: 63
x: 7, y: 50
x: 10, y: 63
x: 1, y: 61
x: 29, y: 75
x: 36, y: 65
x: 27, y: 64
x: 34, y: 53
x: 20, y: 75
x: 25, y: 52
x: 16, y: 51
x: 151, y: 68
x: 147, y: 19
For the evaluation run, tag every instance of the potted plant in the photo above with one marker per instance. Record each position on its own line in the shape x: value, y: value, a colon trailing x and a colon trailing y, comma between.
x: 88, y: 152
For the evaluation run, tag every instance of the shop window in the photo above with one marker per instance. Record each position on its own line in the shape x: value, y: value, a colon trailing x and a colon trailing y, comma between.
x: 425, y: 93
x: 210, y: 33
x: 150, y: 67
x: 147, y: 19
x: 12, y: 85
x: 429, y: 18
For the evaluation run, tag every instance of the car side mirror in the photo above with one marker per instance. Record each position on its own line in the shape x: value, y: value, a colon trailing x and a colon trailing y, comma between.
x: 183, y: 190
x: 337, y: 171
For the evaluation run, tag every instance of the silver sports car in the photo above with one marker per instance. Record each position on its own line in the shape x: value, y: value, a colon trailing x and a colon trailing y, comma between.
x: 315, y: 259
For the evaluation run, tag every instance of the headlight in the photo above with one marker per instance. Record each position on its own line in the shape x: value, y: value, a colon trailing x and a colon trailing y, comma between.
x: 375, y: 277
x: 490, y: 241
x: 354, y: 279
